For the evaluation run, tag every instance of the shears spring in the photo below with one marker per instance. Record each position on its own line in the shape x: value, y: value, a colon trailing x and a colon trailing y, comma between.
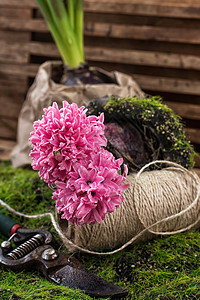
x: 25, y: 248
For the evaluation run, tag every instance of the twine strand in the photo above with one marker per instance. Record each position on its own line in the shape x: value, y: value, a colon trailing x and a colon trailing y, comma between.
x: 179, y: 167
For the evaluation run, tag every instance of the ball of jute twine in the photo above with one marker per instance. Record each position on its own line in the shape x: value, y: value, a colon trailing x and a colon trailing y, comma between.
x: 159, y: 202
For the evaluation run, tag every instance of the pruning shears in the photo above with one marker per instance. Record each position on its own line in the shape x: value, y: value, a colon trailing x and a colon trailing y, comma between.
x: 36, y: 248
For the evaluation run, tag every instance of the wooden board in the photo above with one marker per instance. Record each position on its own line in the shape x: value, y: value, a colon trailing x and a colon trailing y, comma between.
x: 16, y: 54
x: 193, y: 135
x: 13, y: 36
x: 184, y: 110
x: 174, y: 85
x: 173, y: 8
x: 8, y: 128
x: 6, y: 147
x: 21, y: 70
x: 15, y: 13
x: 135, y: 57
x: 11, y: 109
x: 95, y: 29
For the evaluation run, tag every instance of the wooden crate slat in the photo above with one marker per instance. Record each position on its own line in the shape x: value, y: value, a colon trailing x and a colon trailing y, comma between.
x: 140, y: 45
x: 183, y: 3
x: 137, y: 57
x: 16, y: 3
x: 12, y: 52
x: 36, y: 25
x: 11, y: 106
x: 197, y: 161
x: 148, y: 58
x: 12, y: 95
x: 8, y: 128
x: 185, y: 110
x: 16, y: 13
x: 164, y: 84
x: 15, y: 92
x: 179, y: 35
x: 15, y: 82
x: 193, y: 134
x: 6, y: 147
x: 149, y: 8
x: 46, y: 49
x: 14, y: 69
x: 14, y: 36
x: 113, y: 18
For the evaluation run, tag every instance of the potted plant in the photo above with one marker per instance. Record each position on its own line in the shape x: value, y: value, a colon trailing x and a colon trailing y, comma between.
x: 70, y: 79
x: 65, y: 22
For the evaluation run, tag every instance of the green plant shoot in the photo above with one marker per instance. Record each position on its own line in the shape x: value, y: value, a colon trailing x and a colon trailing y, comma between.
x: 65, y: 21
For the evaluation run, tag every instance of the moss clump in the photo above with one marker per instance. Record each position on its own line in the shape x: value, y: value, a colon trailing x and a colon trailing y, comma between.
x: 161, y: 130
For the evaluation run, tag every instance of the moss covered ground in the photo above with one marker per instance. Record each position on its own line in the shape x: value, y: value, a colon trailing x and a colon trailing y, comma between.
x: 164, y: 268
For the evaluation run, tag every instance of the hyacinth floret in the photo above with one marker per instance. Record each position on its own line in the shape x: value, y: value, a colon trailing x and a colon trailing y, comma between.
x: 67, y: 151
x: 62, y: 137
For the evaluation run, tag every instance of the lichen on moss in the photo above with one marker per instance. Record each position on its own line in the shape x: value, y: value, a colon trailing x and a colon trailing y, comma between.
x: 162, y: 130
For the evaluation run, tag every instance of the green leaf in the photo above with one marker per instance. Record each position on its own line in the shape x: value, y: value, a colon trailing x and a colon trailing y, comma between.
x: 60, y: 20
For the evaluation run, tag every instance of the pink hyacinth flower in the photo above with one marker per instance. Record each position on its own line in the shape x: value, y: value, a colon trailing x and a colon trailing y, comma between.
x: 67, y: 151
x: 92, y: 192
x: 63, y: 136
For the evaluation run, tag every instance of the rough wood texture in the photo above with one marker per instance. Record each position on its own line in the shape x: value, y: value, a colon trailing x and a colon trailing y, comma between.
x: 5, y: 149
x: 8, y: 128
x: 173, y: 8
x: 157, y: 42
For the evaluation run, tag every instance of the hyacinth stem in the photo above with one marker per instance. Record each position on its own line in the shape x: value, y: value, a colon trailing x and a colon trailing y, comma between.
x: 61, y: 28
x: 71, y: 11
x: 55, y: 33
x: 79, y: 25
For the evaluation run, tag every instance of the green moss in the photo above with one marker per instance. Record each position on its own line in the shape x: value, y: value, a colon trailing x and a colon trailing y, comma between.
x: 164, y: 268
x: 30, y: 285
x: 161, y: 129
x: 167, y: 126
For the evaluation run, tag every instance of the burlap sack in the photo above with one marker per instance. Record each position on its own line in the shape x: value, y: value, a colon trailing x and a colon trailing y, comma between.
x: 45, y: 91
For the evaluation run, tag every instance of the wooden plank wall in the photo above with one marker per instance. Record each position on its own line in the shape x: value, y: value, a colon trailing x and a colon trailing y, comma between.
x: 157, y: 42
